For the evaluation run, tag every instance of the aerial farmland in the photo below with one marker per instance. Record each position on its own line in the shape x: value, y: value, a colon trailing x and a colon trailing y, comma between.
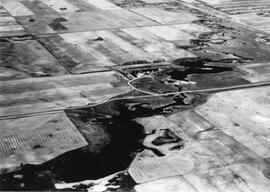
x: 135, y: 95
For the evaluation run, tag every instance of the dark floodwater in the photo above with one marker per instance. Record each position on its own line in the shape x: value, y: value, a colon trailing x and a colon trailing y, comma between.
x: 183, y: 74
x: 114, y: 139
x: 194, y: 66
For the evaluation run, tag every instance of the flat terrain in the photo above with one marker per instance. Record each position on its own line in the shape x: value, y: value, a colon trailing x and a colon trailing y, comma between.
x: 135, y: 95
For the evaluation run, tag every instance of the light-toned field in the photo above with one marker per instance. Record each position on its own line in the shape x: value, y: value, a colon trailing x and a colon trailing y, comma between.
x: 30, y: 96
x: 226, y: 146
x: 257, y: 72
x: 36, y: 140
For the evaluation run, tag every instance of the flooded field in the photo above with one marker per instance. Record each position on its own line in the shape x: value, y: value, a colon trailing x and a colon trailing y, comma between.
x: 114, y: 139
